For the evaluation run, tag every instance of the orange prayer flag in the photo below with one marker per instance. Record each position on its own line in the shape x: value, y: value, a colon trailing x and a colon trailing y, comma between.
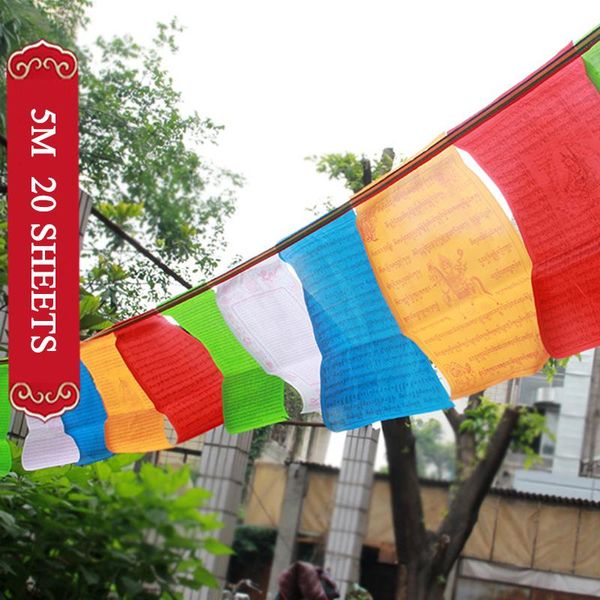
x: 133, y: 423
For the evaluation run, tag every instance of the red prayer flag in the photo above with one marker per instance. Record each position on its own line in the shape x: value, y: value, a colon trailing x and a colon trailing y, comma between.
x: 176, y: 372
x: 543, y: 152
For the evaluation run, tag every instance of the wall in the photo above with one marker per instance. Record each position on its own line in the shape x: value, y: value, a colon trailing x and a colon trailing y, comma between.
x: 521, y: 530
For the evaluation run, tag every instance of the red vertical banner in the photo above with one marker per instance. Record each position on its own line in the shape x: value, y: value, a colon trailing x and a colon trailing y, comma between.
x: 43, y: 236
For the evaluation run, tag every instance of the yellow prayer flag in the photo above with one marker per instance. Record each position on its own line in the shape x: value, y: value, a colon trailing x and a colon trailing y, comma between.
x: 455, y: 274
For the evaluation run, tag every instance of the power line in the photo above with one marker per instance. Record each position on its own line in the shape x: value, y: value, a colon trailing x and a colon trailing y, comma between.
x: 120, y: 232
x: 508, y: 98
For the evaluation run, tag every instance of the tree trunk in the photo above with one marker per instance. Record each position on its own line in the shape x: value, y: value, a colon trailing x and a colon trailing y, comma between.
x: 425, y: 559
x: 407, y: 510
x: 466, y: 448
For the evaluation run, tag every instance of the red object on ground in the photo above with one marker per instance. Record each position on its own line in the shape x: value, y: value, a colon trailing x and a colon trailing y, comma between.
x: 303, y: 581
x: 543, y: 152
x: 176, y: 372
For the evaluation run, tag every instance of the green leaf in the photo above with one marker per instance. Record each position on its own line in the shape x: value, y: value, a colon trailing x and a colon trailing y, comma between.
x: 119, y: 461
x: 102, y: 470
x: 189, y: 563
x: 90, y: 577
x: 153, y: 477
x: 180, y: 477
x: 77, y: 497
x: 209, y: 521
x: 95, y: 322
x: 213, y: 546
x: 128, y: 489
x: 193, y: 498
x: 53, y: 473
x: 8, y: 522
x: 88, y: 305
x: 131, y: 586
x: 204, y: 577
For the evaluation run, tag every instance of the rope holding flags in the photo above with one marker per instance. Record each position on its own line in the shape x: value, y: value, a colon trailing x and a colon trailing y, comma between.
x: 428, y: 291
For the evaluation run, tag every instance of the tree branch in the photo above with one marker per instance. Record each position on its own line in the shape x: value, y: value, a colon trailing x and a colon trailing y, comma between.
x: 466, y: 444
x: 474, y: 400
x: 464, y: 509
x: 123, y: 235
x: 367, y: 177
x: 454, y: 418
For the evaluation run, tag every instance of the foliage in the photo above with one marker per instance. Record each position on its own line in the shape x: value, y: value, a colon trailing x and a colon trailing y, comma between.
x: 138, y: 155
x: 350, y: 169
x: 91, y: 315
x: 530, y: 426
x: 358, y: 593
x: 251, y: 542
x: 481, y: 421
x: 550, y: 369
x: 346, y: 167
x: 293, y: 402
x: 87, y: 532
x: 260, y: 437
x: 433, y: 452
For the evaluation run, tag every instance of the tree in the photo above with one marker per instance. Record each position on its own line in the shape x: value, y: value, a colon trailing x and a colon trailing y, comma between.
x: 483, y: 432
x: 139, y: 158
x: 91, y: 532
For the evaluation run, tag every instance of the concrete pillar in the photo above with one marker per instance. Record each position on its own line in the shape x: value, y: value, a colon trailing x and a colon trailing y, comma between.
x: 591, y: 442
x: 350, y: 512
x: 319, y: 438
x: 573, y: 397
x: 289, y: 522
x: 222, y: 470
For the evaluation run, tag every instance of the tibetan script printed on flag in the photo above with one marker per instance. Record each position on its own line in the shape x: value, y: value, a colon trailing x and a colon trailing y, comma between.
x: 543, y: 152
x: 455, y: 274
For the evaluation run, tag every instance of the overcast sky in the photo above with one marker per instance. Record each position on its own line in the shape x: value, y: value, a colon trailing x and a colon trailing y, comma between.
x: 292, y: 79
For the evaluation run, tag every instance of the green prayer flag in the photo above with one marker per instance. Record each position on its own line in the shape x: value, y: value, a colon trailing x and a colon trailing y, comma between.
x: 5, y: 456
x: 251, y: 397
x: 591, y: 60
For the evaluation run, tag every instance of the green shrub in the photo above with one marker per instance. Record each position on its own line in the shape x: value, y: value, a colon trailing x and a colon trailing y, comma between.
x: 103, y: 531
